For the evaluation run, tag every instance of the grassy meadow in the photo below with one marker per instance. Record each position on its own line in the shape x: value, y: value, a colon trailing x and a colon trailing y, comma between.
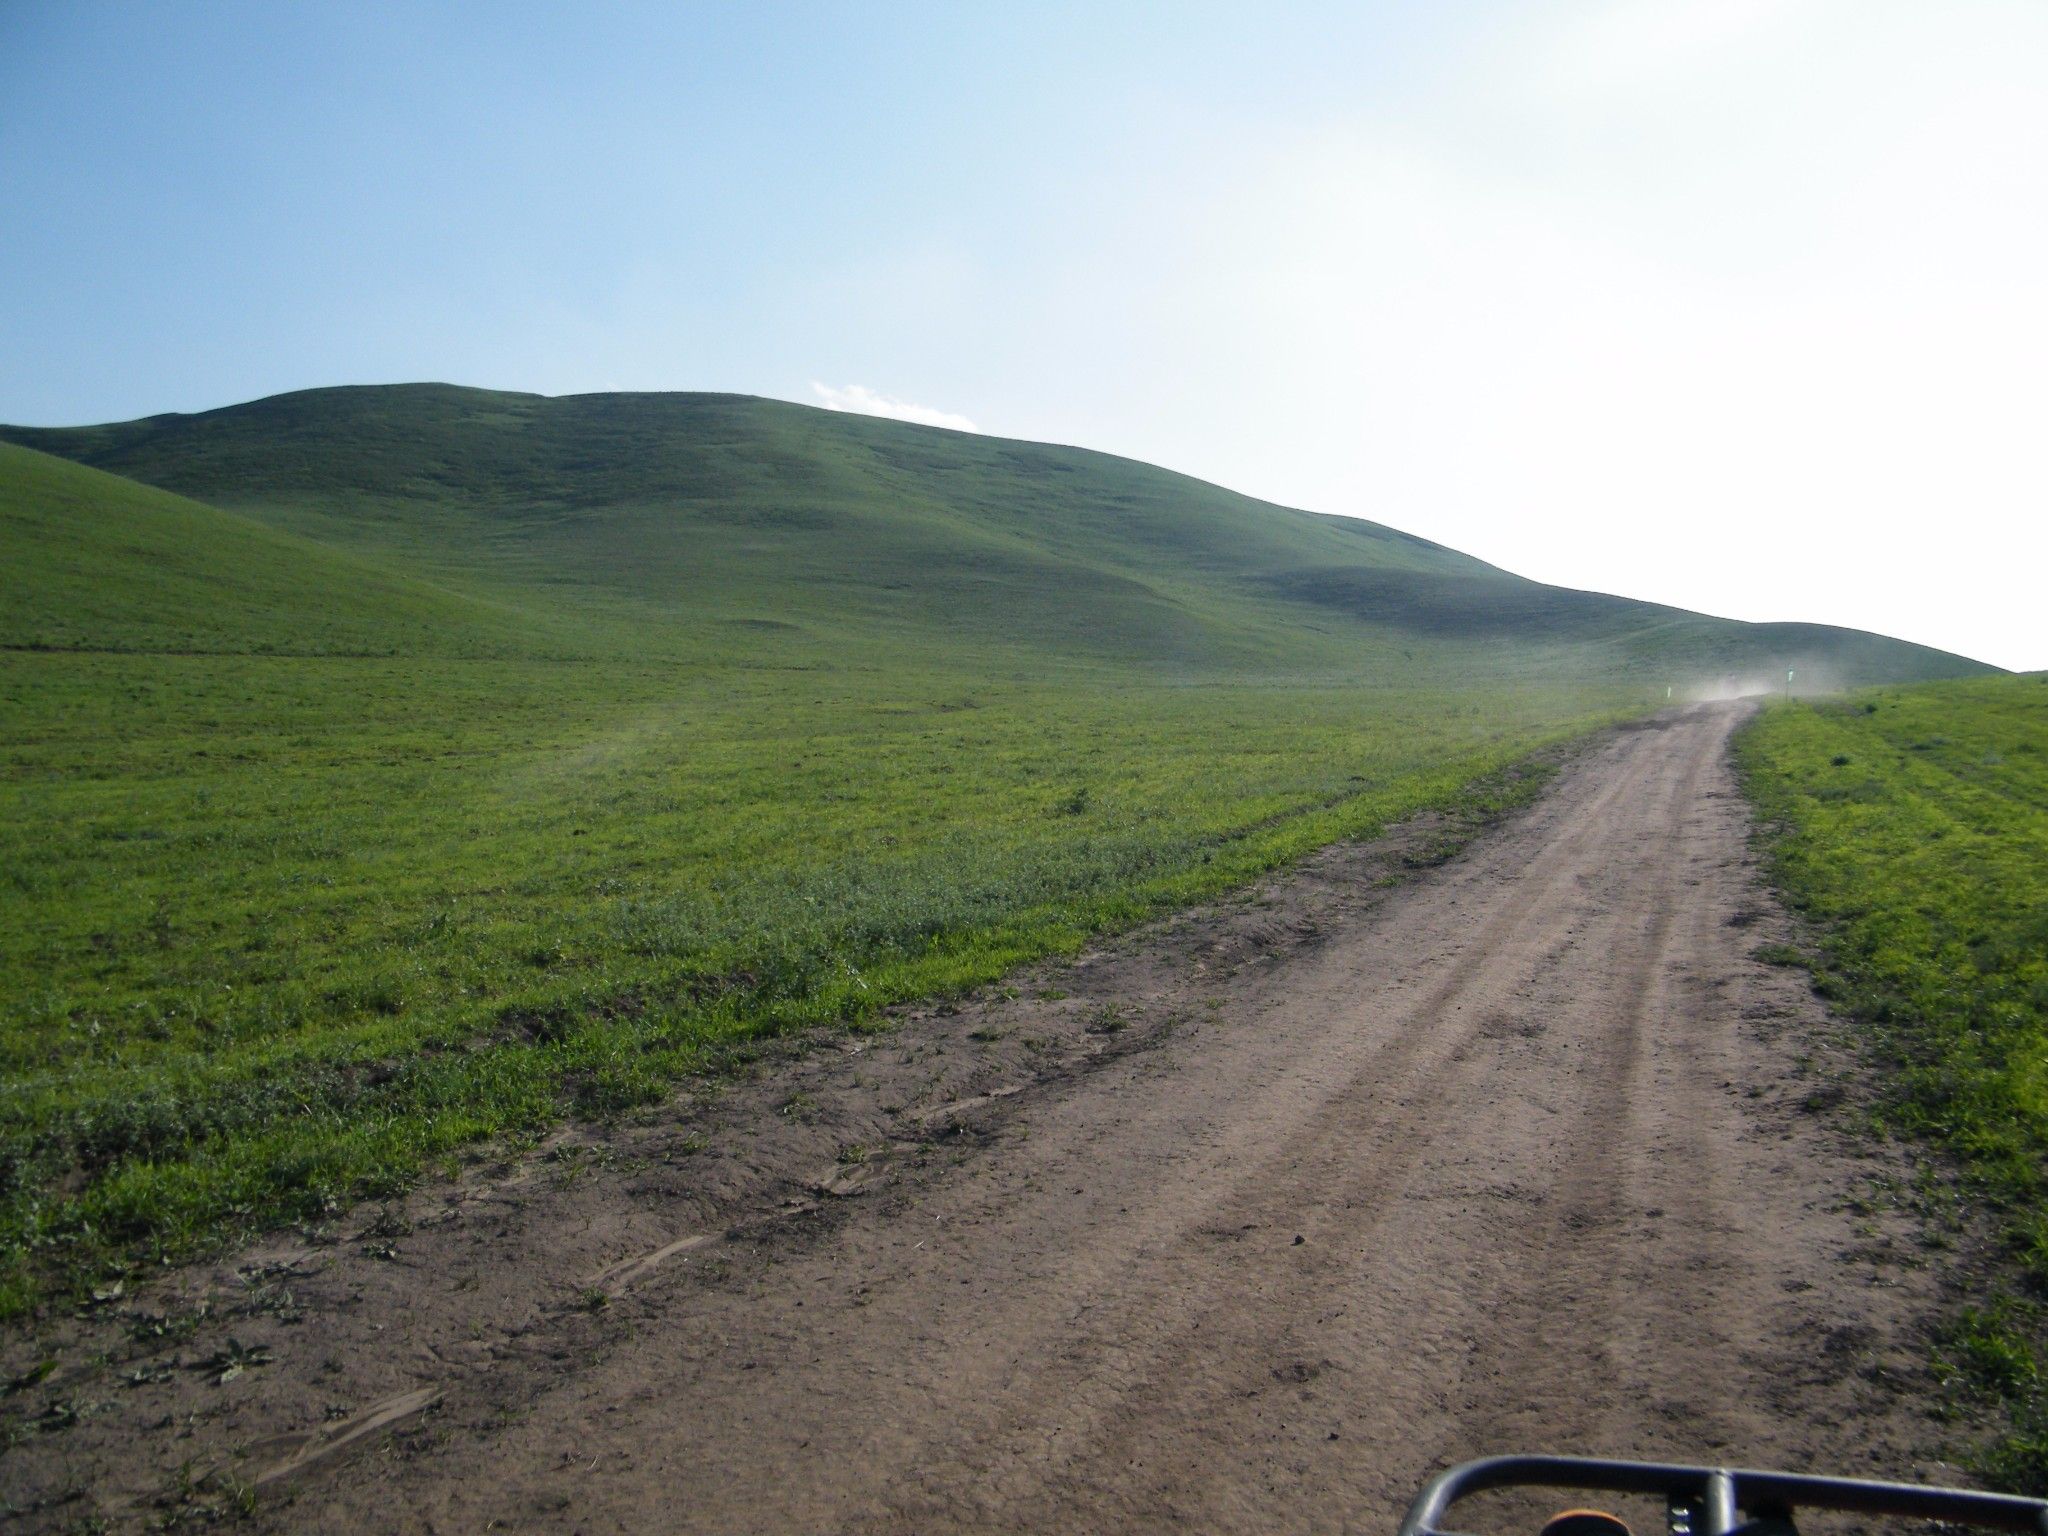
x: 1912, y: 825
x: 383, y: 771
x: 307, y: 924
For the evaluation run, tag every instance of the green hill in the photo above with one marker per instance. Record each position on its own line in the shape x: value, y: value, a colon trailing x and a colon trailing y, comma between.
x: 681, y: 513
x: 98, y: 563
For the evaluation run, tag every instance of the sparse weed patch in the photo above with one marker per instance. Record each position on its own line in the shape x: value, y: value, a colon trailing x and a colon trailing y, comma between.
x: 1109, y: 1019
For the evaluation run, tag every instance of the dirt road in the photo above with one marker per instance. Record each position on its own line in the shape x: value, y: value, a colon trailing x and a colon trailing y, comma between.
x: 1275, y: 1211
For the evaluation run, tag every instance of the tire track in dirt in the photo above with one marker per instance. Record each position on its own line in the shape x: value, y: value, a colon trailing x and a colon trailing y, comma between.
x: 1349, y: 1132
x: 1571, y: 1278
x: 1347, y: 1142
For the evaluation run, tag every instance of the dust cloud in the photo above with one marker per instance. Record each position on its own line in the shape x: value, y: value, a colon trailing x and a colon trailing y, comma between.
x: 1809, y: 679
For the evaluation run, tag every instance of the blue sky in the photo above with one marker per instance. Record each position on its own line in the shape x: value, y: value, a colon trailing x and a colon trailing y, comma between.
x: 233, y: 200
x: 1723, y: 304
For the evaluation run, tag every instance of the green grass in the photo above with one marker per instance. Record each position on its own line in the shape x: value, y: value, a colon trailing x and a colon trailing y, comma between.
x: 1912, y: 825
x: 458, y: 762
x: 97, y: 563
x: 312, y: 922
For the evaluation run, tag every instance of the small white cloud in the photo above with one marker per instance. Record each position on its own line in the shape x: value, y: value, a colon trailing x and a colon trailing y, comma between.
x: 862, y: 401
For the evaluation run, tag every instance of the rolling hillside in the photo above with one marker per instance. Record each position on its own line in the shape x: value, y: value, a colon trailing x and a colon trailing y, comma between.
x: 99, y: 563
x: 689, y: 512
